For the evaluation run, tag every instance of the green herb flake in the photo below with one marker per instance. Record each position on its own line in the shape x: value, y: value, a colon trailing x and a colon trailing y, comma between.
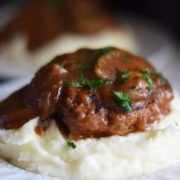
x: 71, y: 144
x: 74, y: 84
x: 84, y: 66
x: 146, y: 70
x: 148, y: 79
x: 102, y: 51
x: 126, y: 74
x: 124, y: 99
x: 86, y: 83
x: 91, y: 84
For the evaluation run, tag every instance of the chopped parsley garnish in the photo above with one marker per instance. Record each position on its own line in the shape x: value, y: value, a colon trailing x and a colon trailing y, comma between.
x: 71, y: 144
x: 148, y: 79
x: 74, y: 84
x: 126, y: 74
x: 101, y: 51
x: 86, y: 83
x: 84, y: 66
x: 124, y: 99
x: 91, y: 84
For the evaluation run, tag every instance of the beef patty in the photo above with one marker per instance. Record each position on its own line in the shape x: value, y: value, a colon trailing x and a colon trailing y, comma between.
x: 91, y: 93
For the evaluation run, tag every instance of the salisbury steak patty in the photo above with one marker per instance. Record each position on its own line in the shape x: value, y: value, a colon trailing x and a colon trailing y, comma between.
x: 95, y: 93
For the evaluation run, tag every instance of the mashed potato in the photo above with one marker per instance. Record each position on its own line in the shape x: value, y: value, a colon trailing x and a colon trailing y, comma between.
x: 16, y: 53
x: 114, y: 157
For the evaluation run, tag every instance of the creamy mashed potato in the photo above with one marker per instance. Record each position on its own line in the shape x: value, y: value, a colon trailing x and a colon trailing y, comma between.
x: 114, y: 157
x: 16, y: 53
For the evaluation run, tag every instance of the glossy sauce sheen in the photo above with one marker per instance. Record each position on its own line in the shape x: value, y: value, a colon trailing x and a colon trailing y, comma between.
x: 44, y: 20
x: 84, y: 111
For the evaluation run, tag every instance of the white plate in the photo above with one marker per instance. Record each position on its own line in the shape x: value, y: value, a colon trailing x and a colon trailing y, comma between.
x: 10, y: 172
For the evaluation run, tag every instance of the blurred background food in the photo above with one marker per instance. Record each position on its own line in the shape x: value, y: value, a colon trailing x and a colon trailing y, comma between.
x: 41, y: 29
x: 32, y: 32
